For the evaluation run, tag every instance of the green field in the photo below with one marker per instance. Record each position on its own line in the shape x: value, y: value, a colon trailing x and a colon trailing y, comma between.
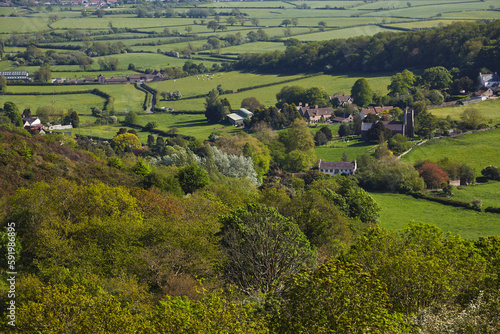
x: 490, y: 110
x: 79, y: 102
x: 187, y: 124
x: 367, y: 30
x: 424, y: 24
x: 334, y: 150
x: 399, y: 210
x: 488, y: 193
x: 23, y: 24
x: 477, y: 150
x: 126, y: 97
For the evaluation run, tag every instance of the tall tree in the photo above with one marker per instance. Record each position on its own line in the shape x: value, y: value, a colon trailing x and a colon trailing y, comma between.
x: 3, y: 84
x: 215, y: 111
x: 12, y: 112
x: 437, y: 78
x: 361, y: 92
x: 262, y: 247
x: 401, y: 83
x: 43, y: 74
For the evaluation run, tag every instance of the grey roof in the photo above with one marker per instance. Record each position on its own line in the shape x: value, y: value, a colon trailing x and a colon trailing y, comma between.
x: 235, y: 117
x: 244, y: 112
x: 490, y: 77
x: 336, y: 165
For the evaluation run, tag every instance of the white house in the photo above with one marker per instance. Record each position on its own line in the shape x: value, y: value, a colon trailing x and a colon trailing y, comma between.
x: 489, y: 80
x: 338, y: 167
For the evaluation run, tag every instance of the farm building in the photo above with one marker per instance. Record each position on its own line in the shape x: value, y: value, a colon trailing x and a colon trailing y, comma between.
x: 315, y: 114
x: 16, y: 75
x: 337, y: 167
x: 238, y: 117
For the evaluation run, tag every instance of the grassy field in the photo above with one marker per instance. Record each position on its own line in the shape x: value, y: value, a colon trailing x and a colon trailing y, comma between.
x: 23, y: 24
x: 196, y: 85
x: 126, y: 96
x: 334, y: 150
x: 424, y: 24
x: 79, y: 102
x: 490, y: 110
x: 267, y: 95
x: 187, y: 124
x: 368, y: 30
x: 488, y: 193
x: 477, y: 150
x: 399, y: 210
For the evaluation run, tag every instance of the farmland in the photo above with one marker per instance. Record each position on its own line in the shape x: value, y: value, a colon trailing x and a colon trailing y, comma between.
x: 477, y: 150
x: 467, y: 223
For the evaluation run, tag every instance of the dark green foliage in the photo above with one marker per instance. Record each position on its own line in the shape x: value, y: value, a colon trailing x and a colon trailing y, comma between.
x: 262, y: 248
x: 379, y: 133
x: 12, y: 112
x: 215, y: 111
x: 192, y: 177
x: 320, y: 138
x: 399, y: 143
x: 491, y: 172
x: 326, y: 130
x: 361, y: 92
x: 131, y: 118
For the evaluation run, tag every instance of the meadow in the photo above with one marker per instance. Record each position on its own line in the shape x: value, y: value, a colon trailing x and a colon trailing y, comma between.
x: 490, y: 110
x: 488, y: 193
x: 398, y: 210
x: 477, y: 150
x: 79, y: 102
x: 335, y: 149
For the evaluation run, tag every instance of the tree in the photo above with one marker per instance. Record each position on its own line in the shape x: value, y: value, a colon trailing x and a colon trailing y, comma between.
x: 337, y: 297
x: 3, y: 84
x: 213, y: 25
x: 345, y: 157
x: 345, y: 130
x: 491, y: 172
x: 326, y: 130
x: 379, y: 133
x: 131, y: 118
x: 433, y: 176
x: 320, y: 138
x: 401, y: 83
x: 126, y: 142
x: 361, y: 92
x: 295, y: 21
x: 231, y: 20
x: 192, y: 177
x: 215, y: 111
x: 472, y: 118
x: 435, y: 97
x: 399, y: 143
x: 12, y: 112
x: 437, y: 78
x: 73, y: 118
x: 286, y: 22
x: 151, y: 125
x: 262, y: 247
x: 251, y: 103
x: 43, y: 74
x: 255, y: 21
x: 214, y: 42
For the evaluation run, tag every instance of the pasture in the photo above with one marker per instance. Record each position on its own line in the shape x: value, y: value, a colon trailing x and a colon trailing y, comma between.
x: 488, y: 193
x: 490, y: 110
x: 334, y: 150
x: 477, y: 150
x: 80, y: 102
x: 398, y: 210
x: 367, y: 30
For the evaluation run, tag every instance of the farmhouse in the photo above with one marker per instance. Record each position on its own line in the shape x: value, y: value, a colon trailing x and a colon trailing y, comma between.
x: 33, y: 125
x: 338, y: 167
x: 315, y: 114
x: 16, y: 75
x: 489, y: 80
x: 342, y: 118
x: 374, y: 110
x: 341, y: 99
x: 238, y: 117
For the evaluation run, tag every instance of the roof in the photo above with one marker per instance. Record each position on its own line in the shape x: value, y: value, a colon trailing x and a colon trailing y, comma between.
x: 245, y: 112
x: 235, y: 117
x: 490, y: 77
x: 394, y: 126
x: 366, y: 126
x: 336, y: 165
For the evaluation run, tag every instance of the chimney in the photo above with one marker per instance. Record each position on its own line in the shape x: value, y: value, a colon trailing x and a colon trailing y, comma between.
x: 316, y: 107
x: 307, y: 105
x: 300, y: 104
